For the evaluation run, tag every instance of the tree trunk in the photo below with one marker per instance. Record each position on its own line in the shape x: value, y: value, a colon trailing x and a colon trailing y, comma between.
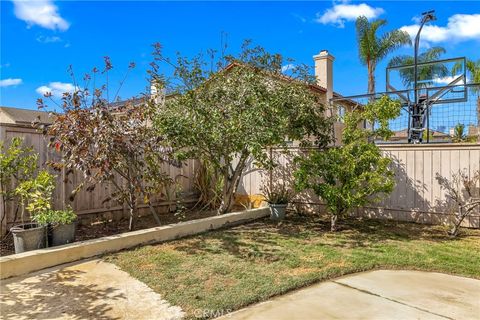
x: 132, y: 208
x: 463, y: 212
x: 454, y: 231
x: 230, y: 185
x: 371, y: 90
x: 371, y: 77
x: 227, y: 199
x: 150, y: 206
x: 333, y: 222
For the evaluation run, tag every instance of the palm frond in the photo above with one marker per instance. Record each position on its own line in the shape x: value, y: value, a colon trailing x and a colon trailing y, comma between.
x: 474, y: 68
x: 391, y: 41
x: 363, y: 28
x: 398, y: 61
x: 432, y: 54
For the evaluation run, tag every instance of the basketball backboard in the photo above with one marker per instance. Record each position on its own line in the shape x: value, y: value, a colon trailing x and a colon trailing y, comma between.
x: 439, y: 81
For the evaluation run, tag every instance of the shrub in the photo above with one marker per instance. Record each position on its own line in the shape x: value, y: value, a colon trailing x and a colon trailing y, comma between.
x: 17, y: 164
x: 36, y: 194
x: 278, y: 194
x: 45, y: 217
x: 356, y: 173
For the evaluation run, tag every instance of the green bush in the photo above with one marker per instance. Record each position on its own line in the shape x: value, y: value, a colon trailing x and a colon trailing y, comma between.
x: 45, y: 217
x: 354, y: 174
x: 36, y: 194
x: 278, y: 194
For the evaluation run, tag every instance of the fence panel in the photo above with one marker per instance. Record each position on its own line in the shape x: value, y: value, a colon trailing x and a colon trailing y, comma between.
x: 417, y: 195
x: 85, y: 203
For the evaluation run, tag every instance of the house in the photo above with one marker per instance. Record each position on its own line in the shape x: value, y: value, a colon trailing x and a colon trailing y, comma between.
x: 437, y: 136
x: 323, y: 66
x: 324, y: 76
x: 22, y: 117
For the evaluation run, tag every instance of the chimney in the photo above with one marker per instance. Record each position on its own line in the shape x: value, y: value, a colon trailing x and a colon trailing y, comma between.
x: 156, y: 91
x: 324, y: 71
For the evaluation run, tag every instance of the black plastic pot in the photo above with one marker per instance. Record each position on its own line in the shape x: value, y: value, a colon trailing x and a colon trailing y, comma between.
x: 28, y: 236
x: 60, y: 234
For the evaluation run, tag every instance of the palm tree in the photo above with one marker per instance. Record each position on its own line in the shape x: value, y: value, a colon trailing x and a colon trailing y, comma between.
x: 426, y: 74
x: 473, y: 67
x: 372, y: 49
x: 459, y: 133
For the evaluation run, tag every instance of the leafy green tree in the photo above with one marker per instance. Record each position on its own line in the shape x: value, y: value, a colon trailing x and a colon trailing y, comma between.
x: 356, y: 173
x: 425, y: 73
x: 18, y: 163
x: 229, y: 114
x: 373, y: 48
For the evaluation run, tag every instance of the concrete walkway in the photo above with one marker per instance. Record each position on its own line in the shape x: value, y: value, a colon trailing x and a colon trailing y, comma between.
x: 99, y: 290
x: 375, y: 295
x: 85, y: 290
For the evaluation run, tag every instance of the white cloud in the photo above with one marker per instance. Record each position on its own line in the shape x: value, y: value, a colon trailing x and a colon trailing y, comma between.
x: 287, y: 67
x: 10, y: 82
x: 444, y: 80
x: 57, y: 89
x: 447, y: 80
x: 342, y: 12
x: 48, y: 39
x: 40, y: 12
x: 460, y: 27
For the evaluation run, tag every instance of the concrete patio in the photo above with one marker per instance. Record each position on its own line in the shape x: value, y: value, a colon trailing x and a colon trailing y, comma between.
x: 96, y: 289
x: 87, y: 290
x: 378, y: 294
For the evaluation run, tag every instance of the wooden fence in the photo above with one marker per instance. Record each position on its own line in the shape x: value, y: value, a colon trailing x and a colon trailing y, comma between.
x: 417, y: 195
x: 85, y: 204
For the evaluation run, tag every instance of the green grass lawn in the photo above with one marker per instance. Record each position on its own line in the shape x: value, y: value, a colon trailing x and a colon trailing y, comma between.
x: 229, y: 269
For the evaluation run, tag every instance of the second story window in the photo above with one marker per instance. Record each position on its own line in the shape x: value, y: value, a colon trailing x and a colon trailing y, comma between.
x: 341, y: 113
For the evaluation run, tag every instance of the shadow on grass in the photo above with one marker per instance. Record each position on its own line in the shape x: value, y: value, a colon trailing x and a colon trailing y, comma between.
x: 270, y: 241
x: 55, y: 295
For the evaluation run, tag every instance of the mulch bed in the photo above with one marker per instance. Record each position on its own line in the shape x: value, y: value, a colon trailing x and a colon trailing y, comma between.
x: 100, y: 229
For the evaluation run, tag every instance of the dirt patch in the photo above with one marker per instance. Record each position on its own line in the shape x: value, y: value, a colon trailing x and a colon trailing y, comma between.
x: 103, y: 228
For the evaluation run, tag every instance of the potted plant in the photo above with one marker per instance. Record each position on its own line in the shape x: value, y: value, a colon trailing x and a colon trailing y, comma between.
x: 278, y: 197
x: 28, y: 236
x: 35, y: 195
x: 61, y: 225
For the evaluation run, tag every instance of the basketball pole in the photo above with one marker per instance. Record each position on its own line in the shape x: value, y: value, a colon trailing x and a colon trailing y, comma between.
x: 426, y: 17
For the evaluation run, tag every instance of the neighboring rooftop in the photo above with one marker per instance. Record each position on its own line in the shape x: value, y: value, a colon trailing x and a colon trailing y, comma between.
x: 403, y: 134
x: 23, y: 116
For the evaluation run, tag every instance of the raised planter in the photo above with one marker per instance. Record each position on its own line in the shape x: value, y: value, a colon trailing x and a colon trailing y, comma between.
x: 23, y: 263
x: 28, y: 236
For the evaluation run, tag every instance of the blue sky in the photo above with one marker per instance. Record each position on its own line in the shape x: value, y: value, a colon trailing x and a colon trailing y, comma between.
x: 40, y: 39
